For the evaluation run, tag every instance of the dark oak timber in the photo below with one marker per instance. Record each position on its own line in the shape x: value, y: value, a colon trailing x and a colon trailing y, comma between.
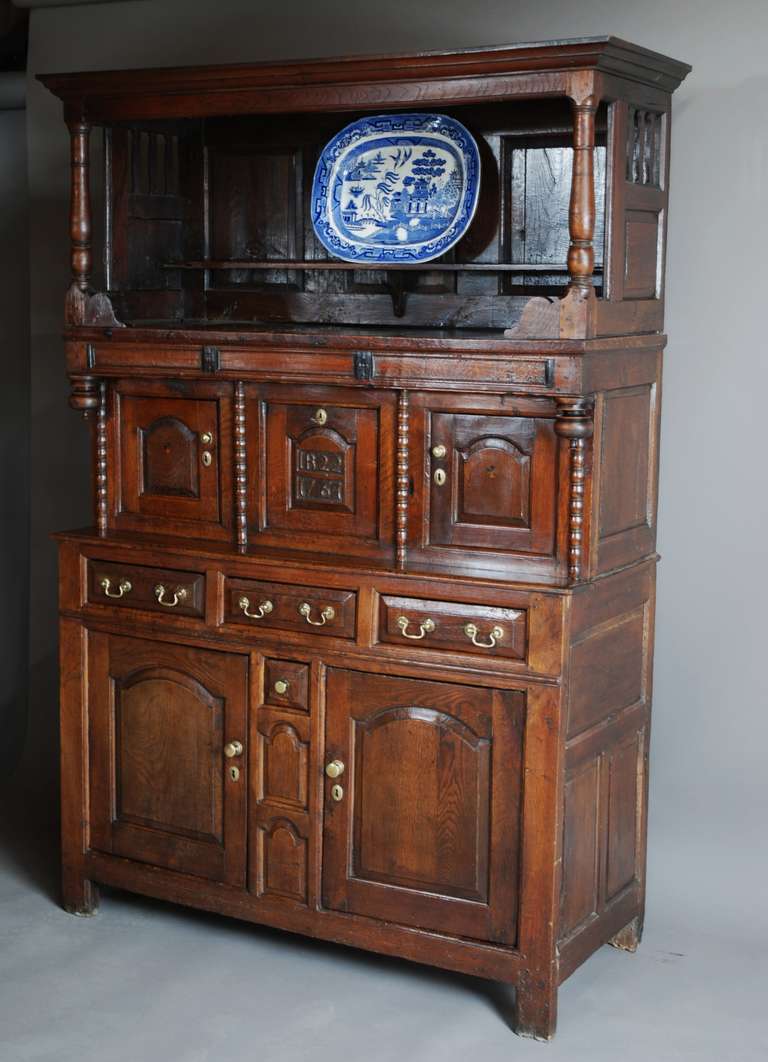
x: 360, y: 642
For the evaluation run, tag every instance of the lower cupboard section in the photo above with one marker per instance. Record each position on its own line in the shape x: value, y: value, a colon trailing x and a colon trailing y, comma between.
x: 397, y: 798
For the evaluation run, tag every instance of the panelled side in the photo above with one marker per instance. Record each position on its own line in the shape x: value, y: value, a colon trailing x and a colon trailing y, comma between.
x: 606, y: 763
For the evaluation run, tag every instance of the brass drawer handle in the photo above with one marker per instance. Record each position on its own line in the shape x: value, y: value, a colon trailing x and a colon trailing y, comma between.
x: 328, y: 613
x: 281, y: 687
x: 124, y: 587
x: 180, y: 594
x: 262, y: 610
x: 496, y: 634
x: 425, y: 627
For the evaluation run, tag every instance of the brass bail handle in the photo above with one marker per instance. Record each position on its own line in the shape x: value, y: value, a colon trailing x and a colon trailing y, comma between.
x: 496, y: 634
x: 262, y: 610
x: 326, y: 614
x: 123, y: 587
x: 425, y: 627
x: 180, y: 595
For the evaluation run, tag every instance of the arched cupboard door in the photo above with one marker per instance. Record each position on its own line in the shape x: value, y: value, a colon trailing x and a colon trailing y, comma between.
x: 422, y: 823
x: 167, y: 737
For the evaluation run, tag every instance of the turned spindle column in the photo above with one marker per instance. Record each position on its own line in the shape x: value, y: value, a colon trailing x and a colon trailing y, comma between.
x: 79, y: 222
x: 574, y: 423
x: 581, y: 211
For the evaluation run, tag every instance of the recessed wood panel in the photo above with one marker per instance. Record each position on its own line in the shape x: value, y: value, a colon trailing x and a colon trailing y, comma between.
x: 580, y: 848
x: 607, y: 672
x: 641, y: 235
x: 281, y: 861
x: 284, y: 761
x: 624, y: 793
x: 165, y: 725
x: 625, y: 475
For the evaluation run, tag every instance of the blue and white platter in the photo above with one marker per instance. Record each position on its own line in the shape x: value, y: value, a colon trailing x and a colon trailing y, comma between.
x: 399, y: 188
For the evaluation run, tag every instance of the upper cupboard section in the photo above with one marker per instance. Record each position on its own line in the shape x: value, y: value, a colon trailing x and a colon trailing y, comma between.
x: 209, y: 221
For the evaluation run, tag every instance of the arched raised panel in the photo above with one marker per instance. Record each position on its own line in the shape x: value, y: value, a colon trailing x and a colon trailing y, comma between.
x: 168, y: 739
x: 493, y: 478
x: 169, y: 459
x: 323, y: 470
x: 431, y: 774
x: 284, y: 766
x: 281, y: 861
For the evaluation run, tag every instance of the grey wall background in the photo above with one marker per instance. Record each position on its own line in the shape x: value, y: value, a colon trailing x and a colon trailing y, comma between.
x: 14, y: 418
x: 709, y: 783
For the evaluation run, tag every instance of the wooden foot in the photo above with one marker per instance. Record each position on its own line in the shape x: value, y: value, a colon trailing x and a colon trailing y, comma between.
x: 80, y: 897
x: 535, y: 1011
x: 629, y: 937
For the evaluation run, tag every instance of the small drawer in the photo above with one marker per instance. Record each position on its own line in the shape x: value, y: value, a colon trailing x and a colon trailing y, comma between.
x: 284, y: 606
x: 286, y: 684
x: 454, y: 627
x: 156, y: 589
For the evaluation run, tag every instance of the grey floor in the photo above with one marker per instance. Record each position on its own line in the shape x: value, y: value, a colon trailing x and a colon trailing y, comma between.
x: 147, y: 982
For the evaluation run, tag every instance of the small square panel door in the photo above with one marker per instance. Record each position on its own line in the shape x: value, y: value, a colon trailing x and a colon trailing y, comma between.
x: 320, y: 464
x: 167, y: 735
x: 490, y: 478
x: 422, y: 814
x: 173, y: 449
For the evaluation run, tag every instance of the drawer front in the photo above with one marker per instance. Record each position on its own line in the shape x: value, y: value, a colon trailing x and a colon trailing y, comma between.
x: 454, y: 627
x: 156, y: 589
x: 286, y: 684
x: 284, y: 606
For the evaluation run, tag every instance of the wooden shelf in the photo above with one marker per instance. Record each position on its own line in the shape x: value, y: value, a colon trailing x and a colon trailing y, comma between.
x: 421, y: 267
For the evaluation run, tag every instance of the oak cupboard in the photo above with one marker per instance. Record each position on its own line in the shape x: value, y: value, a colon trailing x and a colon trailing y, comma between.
x: 359, y: 643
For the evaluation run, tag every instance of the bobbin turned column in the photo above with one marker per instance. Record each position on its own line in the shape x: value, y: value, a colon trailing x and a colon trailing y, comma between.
x: 574, y: 423
x: 79, y: 222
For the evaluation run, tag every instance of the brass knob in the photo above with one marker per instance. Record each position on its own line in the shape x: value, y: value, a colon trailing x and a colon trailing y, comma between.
x: 439, y: 451
x: 281, y: 686
x: 206, y: 438
x: 234, y: 748
x: 334, y: 769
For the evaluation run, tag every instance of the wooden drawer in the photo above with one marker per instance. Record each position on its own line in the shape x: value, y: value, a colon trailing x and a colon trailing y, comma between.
x: 156, y: 589
x: 285, y: 606
x: 454, y: 627
x: 286, y: 684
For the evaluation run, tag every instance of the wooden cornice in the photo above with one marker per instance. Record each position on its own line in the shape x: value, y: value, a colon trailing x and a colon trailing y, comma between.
x: 383, y: 80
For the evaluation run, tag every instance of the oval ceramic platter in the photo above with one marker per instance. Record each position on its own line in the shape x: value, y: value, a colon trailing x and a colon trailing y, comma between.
x: 399, y: 188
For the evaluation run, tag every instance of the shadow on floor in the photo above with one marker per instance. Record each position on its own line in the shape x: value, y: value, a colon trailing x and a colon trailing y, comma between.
x: 29, y: 847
